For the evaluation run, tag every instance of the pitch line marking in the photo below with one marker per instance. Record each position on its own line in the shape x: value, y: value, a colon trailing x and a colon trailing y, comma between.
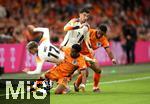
x: 111, y: 82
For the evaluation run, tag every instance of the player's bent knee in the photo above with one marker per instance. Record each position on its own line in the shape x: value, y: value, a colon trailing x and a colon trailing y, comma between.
x: 58, y: 92
x: 99, y: 71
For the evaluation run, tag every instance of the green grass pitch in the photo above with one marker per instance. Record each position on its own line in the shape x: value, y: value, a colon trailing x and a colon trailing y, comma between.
x: 128, y: 84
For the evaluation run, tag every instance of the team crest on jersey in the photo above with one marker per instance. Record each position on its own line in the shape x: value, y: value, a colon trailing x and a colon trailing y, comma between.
x: 99, y: 44
x: 74, y: 62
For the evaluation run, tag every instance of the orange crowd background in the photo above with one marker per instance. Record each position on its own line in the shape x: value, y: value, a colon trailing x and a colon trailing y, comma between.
x: 15, y: 15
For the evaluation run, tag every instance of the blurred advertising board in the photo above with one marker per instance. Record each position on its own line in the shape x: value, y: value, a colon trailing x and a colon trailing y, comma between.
x: 14, y: 57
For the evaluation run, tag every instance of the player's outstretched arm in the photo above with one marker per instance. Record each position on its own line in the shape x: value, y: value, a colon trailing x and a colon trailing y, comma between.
x: 111, y: 56
x: 65, y: 41
x: 38, y: 68
x: 70, y: 25
x: 45, y: 31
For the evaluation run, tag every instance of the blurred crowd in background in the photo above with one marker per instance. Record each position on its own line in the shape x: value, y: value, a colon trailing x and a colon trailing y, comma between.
x: 125, y: 19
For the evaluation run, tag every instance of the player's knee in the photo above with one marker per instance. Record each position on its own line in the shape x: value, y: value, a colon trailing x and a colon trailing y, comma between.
x: 57, y: 92
x: 97, y: 68
x: 99, y: 71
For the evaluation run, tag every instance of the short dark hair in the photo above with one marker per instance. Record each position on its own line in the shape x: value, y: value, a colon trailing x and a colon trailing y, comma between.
x: 86, y: 10
x: 77, y: 47
x: 103, y: 28
x: 31, y: 45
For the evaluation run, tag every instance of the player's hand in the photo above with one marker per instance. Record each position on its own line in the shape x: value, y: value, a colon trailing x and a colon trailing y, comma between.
x: 114, y: 61
x: 30, y: 28
x: 85, y: 24
x: 26, y: 70
x: 91, y: 51
x: 82, y: 87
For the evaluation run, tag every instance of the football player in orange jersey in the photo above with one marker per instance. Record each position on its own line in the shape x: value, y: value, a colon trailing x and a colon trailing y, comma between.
x: 97, y: 39
x: 62, y: 72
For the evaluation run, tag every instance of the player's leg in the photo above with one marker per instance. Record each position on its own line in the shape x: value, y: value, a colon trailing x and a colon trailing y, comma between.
x: 44, y: 77
x: 62, y: 87
x: 96, y: 77
x: 78, y: 81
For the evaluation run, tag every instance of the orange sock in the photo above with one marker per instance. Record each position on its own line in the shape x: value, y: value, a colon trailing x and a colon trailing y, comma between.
x: 96, y: 79
x: 79, y: 80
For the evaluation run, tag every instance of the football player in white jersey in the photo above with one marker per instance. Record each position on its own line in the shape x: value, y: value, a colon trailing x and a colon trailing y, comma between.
x: 77, y: 29
x: 44, y: 50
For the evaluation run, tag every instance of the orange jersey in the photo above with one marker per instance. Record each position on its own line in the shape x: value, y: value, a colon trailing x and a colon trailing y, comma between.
x: 95, y: 43
x: 66, y: 68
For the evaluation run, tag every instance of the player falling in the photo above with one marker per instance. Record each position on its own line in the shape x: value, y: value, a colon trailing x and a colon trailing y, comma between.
x: 44, y: 50
x: 62, y: 72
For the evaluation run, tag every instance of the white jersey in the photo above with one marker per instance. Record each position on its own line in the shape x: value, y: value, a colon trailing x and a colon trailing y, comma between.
x: 75, y: 36
x: 46, y: 51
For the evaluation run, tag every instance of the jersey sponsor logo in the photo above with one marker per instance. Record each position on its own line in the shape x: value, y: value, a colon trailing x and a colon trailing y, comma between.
x: 74, y: 62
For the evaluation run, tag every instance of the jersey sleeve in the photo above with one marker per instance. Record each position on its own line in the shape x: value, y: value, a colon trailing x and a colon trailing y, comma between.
x: 105, y: 42
x: 45, y: 31
x: 70, y: 25
x: 39, y: 65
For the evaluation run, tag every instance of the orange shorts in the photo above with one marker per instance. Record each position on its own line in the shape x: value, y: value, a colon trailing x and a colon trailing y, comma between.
x: 54, y: 75
x: 63, y: 81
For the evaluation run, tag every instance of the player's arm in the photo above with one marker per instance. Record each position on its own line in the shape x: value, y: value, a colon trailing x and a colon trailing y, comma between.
x: 87, y: 41
x: 110, y: 54
x: 69, y: 25
x: 45, y: 31
x: 105, y: 45
x: 65, y: 41
x: 30, y: 28
x: 89, y: 59
x: 88, y: 44
x: 39, y: 65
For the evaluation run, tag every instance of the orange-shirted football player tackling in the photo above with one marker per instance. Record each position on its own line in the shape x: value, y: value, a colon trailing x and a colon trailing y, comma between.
x: 62, y: 72
x: 97, y: 39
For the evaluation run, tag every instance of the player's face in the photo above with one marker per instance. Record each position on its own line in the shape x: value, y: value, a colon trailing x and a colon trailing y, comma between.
x: 33, y: 51
x: 99, y: 33
x: 84, y: 17
x: 74, y: 53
